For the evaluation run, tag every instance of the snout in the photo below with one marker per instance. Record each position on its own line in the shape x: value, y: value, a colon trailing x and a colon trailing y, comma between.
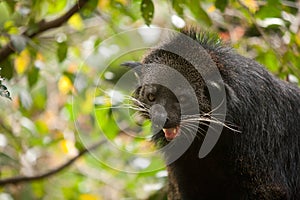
x: 158, y: 116
x: 161, y: 122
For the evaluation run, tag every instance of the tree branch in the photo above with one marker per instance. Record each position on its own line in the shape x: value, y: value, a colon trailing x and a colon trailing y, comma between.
x: 8, y: 49
x: 17, y: 180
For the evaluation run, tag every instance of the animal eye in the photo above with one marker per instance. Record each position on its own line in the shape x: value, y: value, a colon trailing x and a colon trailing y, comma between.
x: 151, y: 97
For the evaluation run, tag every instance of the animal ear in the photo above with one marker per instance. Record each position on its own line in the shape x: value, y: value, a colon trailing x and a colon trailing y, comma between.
x: 134, y: 65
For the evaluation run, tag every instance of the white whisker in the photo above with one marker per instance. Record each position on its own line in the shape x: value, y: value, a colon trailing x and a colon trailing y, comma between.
x: 203, y: 119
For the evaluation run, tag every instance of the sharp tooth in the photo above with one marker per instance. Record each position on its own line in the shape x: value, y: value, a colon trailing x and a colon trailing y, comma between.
x: 171, y: 133
x: 174, y: 130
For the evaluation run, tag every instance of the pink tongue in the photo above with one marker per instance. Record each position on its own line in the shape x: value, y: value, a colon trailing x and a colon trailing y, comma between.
x: 171, y: 133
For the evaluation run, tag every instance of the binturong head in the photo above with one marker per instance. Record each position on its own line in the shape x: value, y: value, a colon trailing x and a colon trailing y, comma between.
x: 176, y: 81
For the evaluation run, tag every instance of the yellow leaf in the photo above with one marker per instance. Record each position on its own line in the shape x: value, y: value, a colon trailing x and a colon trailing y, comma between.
x: 8, y: 24
x: 22, y: 62
x: 89, y: 197
x: 211, y: 9
x: 298, y: 38
x: 65, y: 85
x: 11, y: 28
x: 64, y: 146
x: 68, y: 147
x: 103, y: 5
x: 39, y: 56
x: 87, y: 105
x: 251, y: 5
x: 76, y: 22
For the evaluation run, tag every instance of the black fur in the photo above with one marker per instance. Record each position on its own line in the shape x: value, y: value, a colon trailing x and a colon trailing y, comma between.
x: 262, y: 161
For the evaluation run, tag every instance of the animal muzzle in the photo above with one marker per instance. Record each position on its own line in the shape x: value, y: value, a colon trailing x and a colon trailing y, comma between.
x: 160, y: 121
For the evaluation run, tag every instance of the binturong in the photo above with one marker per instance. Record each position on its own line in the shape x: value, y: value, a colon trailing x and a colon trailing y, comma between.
x: 228, y: 128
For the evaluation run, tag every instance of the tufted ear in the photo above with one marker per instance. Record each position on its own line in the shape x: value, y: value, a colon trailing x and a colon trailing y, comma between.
x: 134, y: 65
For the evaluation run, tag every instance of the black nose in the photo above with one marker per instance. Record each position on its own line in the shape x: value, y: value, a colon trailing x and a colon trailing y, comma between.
x: 158, y: 116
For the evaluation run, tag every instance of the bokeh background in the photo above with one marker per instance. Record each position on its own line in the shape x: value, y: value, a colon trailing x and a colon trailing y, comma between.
x: 65, y: 133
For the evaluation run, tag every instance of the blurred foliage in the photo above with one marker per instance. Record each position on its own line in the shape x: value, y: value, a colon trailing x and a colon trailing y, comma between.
x: 58, y: 108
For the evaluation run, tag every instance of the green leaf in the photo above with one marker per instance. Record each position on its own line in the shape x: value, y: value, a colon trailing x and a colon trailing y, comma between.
x: 199, y: 13
x: 56, y: 6
x: 268, y: 12
x: 97, y: 42
x: 39, y: 97
x: 39, y: 9
x: 271, y: 9
x: 79, y: 145
x: 270, y: 2
x: 5, y: 159
x: 33, y: 75
x: 89, y: 7
x: 33, y: 26
x: 5, y: 12
x: 178, y: 6
x: 147, y: 9
x: 106, y: 122
x: 271, y: 61
x: 221, y: 4
x: 7, y: 69
x: 62, y: 51
x: 10, y: 4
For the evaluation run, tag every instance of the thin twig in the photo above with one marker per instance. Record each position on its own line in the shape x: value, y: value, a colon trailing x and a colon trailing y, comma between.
x: 20, y: 179
x: 42, y: 26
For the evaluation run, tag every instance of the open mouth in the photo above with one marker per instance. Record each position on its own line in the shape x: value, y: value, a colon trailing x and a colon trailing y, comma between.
x: 171, y: 133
